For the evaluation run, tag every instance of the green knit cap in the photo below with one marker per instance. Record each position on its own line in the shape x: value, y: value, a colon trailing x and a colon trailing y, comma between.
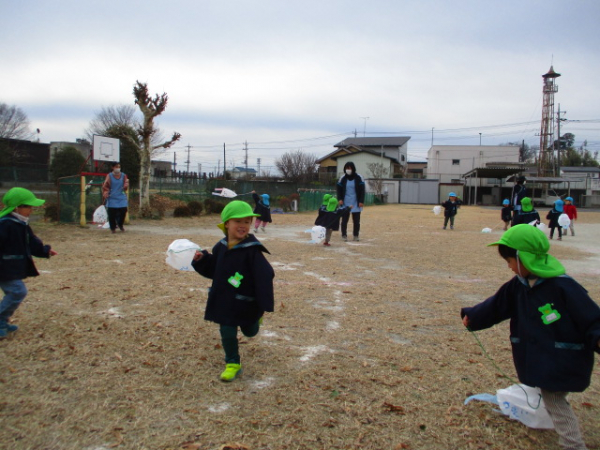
x: 326, y: 198
x: 19, y: 196
x: 532, y: 247
x: 332, y: 204
x: 236, y: 209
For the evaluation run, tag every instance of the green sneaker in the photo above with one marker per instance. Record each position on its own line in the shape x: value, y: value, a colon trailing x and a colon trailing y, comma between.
x: 231, y: 371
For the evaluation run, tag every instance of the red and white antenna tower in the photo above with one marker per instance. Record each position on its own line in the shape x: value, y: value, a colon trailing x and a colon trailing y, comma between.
x: 547, y: 158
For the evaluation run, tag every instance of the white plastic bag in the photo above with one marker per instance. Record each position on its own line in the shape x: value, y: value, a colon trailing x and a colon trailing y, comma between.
x: 317, y: 234
x: 486, y: 230
x: 180, y: 254
x: 564, y: 221
x: 437, y: 210
x: 100, y: 215
x: 525, y: 404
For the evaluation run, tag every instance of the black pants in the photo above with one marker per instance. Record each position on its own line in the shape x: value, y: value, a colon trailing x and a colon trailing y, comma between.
x: 355, y: 224
x: 116, y: 217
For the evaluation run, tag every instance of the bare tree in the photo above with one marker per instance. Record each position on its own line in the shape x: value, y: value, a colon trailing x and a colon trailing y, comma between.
x: 378, y: 173
x: 297, y: 166
x: 151, y: 107
x: 112, y: 116
x: 14, y: 123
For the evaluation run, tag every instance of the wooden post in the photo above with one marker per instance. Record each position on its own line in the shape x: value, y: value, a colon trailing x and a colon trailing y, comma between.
x: 82, y: 221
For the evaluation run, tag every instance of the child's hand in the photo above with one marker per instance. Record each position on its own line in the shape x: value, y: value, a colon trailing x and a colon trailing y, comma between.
x: 466, y: 321
x: 198, y: 255
x: 52, y: 253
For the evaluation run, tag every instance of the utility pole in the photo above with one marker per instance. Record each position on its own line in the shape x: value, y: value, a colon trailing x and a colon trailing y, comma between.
x: 174, y: 162
x: 560, y: 141
x: 258, y: 165
x: 187, y: 163
x: 246, y: 156
x: 365, y: 127
x: 224, y: 163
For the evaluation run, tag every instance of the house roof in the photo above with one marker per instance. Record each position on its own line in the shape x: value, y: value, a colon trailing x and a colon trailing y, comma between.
x: 392, y: 141
x: 243, y: 169
x: 581, y: 169
x: 330, y: 155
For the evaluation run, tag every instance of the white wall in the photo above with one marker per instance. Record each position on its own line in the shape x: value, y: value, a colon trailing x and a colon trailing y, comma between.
x: 440, y: 159
x: 362, y: 161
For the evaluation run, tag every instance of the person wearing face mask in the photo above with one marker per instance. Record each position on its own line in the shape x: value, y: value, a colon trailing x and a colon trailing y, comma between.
x: 114, y: 192
x: 351, y: 193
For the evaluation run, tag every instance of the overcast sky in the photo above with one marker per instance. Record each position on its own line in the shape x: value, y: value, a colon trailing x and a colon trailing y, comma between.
x: 287, y: 75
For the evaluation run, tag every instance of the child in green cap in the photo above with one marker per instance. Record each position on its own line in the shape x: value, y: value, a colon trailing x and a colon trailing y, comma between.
x: 242, y: 286
x: 554, y: 325
x: 17, y: 246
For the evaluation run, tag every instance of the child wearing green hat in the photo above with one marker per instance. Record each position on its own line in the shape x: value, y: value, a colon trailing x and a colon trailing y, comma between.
x: 527, y: 213
x: 322, y: 210
x: 242, y: 286
x: 17, y: 246
x: 554, y: 325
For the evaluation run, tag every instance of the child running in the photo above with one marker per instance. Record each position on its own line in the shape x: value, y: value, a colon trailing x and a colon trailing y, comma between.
x: 553, y: 216
x: 17, y: 246
x: 450, y: 209
x: 263, y: 210
x: 571, y: 211
x: 331, y: 219
x: 554, y: 325
x: 242, y: 286
x: 322, y: 210
x: 506, y: 213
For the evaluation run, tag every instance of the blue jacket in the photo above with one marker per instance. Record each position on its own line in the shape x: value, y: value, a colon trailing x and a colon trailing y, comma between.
x: 242, y: 287
x: 17, y: 246
x: 554, y: 330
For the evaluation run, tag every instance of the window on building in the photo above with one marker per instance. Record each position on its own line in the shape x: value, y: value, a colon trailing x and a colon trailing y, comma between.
x: 456, y: 162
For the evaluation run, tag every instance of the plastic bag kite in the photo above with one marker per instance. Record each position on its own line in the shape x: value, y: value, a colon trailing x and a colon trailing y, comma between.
x: 525, y: 404
x: 564, y: 221
x: 224, y: 192
x: 317, y: 234
x: 180, y: 254
x: 437, y: 210
x: 100, y: 215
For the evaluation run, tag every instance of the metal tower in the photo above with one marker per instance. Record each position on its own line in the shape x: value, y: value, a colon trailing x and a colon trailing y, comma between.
x: 547, y: 159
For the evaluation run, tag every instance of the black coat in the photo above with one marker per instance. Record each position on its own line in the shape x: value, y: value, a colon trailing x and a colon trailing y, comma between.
x: 506, y: 213
x: 525, y: 217
x: 235, y: 300
x: 262, y: 209
x: 553, y: 216
x: 451, y: 208
x: 557, y: 356
x: 17, y: 246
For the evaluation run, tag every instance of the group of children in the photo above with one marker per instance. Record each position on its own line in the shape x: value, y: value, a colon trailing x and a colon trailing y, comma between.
x: 554, y: 324
x: 527, y: 214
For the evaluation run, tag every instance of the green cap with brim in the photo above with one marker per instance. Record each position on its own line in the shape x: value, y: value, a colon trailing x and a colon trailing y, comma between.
x: 332, y: 204
x: 326, y: 198
x: 236, y: 209
x: 526, y: 204
x: 19, y: 196
x: 532, y: 247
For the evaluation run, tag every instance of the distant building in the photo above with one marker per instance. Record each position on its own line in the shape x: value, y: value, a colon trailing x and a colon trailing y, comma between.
x: 83, y: 146
x: 242, y: 173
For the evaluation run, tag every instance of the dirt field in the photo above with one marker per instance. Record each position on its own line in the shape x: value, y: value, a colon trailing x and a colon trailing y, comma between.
x: 365, y: 350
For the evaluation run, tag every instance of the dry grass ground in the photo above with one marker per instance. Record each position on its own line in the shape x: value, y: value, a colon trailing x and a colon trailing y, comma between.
x: 366, y: 349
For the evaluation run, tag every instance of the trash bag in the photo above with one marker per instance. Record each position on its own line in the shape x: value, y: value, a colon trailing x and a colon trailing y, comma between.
x: 317, y: 234
x: 180, y: 254
x: 524, y: 403
x: 100, y: 215
x: 486, y: 230
x: 564, y: 221
x: 437, y: 210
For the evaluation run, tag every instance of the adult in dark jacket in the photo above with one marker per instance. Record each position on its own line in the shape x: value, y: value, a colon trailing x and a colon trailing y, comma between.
x: 554, y: 325
x: 519, y: 192
x: 351, y: 193
x: 18, y: 245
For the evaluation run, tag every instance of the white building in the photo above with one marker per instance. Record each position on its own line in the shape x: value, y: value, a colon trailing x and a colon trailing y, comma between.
x: 449, y: 163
